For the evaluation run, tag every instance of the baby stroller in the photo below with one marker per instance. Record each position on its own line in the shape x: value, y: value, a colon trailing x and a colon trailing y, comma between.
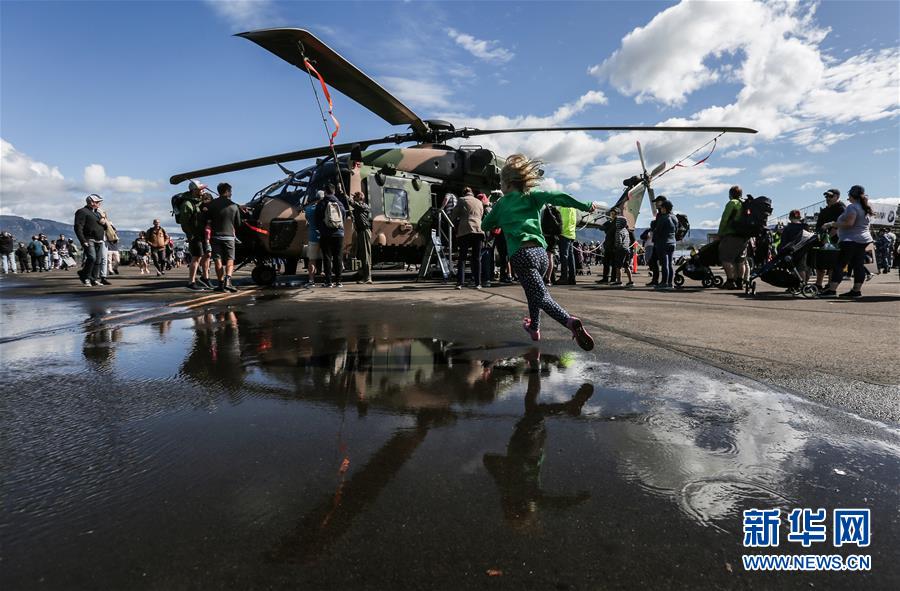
x: 697, y: 267
x: 785, y: 267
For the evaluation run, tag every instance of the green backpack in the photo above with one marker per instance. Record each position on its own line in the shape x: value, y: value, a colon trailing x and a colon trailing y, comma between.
x: 186, y: 210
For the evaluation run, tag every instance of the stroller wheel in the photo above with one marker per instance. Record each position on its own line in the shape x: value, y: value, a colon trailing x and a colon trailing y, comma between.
x: 678, y: 281
x: 718, y: 281
x: 707, y: 282
x: 809, y: 291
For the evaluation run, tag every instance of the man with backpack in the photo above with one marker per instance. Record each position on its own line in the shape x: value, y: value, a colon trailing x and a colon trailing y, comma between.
x: 188, y: 208
x: 330, y: 214
x: 731, y: 243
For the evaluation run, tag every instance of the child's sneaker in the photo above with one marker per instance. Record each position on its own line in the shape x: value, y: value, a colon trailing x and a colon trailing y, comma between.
x: 535, y: 334
x: 581, y: 336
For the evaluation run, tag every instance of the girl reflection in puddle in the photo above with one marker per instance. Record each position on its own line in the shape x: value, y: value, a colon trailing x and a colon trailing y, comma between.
x: 518, y: 473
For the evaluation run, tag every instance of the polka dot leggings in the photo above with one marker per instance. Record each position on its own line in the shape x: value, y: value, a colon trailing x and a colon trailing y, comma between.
x: 530, y: 265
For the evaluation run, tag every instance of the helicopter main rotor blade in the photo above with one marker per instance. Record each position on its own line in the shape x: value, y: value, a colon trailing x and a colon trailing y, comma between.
x: 469, y: 132
x: 337, y: 71
x: 282, y: 158
x: 657, y: 170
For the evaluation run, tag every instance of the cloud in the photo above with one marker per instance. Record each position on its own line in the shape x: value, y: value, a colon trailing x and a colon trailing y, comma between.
x: 880, y: 151
x: 489, y: 51
x: 421, y: 93
x: 887, y: 200
x: 708, y: 205
x: 814, y: 185
x: 245, y: 15
x: 788, y: 85
x: 33, y: 189
x: 707, y: 225
x: 789, y: 169
x: 96, y: 181
x: 748, y: 151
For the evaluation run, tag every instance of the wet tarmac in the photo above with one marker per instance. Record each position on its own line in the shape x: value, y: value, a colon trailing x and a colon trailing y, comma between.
x: 293, y: 443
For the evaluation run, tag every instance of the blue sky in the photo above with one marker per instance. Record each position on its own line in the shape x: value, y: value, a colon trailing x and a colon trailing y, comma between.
x: 115, y: 97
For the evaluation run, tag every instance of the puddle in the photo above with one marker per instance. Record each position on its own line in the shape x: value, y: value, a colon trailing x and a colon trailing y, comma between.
x: 303, y: 449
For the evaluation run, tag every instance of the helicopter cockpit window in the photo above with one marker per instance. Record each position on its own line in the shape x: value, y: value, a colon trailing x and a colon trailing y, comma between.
x: 396, y: 203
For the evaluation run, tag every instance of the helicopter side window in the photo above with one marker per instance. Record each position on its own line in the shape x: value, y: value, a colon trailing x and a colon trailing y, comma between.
x: 396, y: 203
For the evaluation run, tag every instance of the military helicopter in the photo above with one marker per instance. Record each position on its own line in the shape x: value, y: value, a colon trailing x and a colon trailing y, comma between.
x: 404, y: 185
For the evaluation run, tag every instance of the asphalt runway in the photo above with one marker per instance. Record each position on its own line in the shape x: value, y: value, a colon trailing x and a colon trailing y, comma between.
x: 406, y: 435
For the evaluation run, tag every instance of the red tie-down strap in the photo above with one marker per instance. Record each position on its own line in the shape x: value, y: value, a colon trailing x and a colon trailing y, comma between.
x: 257, y: 229
x: 699, y: 162
x: 337, y: 124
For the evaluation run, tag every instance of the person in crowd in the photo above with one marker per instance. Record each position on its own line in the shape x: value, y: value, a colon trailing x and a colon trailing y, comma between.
x: 625, y: 243
x: 60, y: 242
x: 54, y: 257
x: 611, y: 256
x: 884, y: 251
x: 224, y: 218
x: 91, y: 232
x: 790, y: 233
x: 330, y: 215
x: 793, y: 230
x: 466, y: 217
x: 833, y: 209
x: 854, y: 238
x: 72, y: 248
x: 506, y: 275
x: 46, y: 261
x: 22, y: 258
x: 7, y: 252
x: 447, y: 206
x: 157, y: 238
x: 141, y: 250
x: 63, y: 250
x: 569, y: 221
x: 731, y: 244
x: 551, y: 226
x: 36, y: 257
x: 664, y: 244
x: 518, y: 213
x: 193, y: 203
x: 313, y: 250
x: 362, y: 224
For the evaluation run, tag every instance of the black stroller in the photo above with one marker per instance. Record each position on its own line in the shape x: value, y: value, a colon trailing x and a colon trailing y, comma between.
x: 697, y: 267
x: 785, y: 267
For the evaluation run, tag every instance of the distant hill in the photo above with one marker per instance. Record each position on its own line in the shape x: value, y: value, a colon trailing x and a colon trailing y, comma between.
x: 23, y: 229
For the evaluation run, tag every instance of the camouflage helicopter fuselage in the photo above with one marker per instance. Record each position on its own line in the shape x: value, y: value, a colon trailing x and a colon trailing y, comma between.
x: 404, y: 186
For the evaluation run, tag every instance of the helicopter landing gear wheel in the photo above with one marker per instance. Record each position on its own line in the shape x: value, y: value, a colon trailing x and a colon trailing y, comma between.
x: 809, y: 291
x: 678, y: 281
x: 707, y: 282
x: 718, y: 281
x: 263, y: 274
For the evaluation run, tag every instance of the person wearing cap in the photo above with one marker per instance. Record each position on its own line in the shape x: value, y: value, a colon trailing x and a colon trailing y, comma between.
x: 854, y: 239
x: 194, y: 201
x: 833, y: 209
x: 731, y: 243
x: 90, y: 232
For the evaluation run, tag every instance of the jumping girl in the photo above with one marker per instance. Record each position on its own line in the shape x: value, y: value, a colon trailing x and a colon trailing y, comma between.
x: 518, y: 214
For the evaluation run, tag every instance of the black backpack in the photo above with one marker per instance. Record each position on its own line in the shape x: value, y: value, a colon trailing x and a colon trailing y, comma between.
x: 684, y: 226
x: 754, y: 216
x: 551, y: 221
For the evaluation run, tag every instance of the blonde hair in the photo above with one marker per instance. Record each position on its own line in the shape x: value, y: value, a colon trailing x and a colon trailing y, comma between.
x: 521, y: 173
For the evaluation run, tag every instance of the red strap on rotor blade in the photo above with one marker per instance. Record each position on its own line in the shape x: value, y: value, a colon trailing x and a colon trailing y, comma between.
x: 715, y: 141
x: 337, y: 124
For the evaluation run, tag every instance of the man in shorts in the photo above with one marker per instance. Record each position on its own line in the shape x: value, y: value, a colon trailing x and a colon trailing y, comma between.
x: 313, y: 251
x: 731, y: 244
x: 195, y: 231
x: 224, y: 218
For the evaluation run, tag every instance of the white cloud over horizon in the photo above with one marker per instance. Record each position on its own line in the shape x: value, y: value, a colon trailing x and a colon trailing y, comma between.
x: 245, y: 15
x: 489, y: 51
x: 32, y: 189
